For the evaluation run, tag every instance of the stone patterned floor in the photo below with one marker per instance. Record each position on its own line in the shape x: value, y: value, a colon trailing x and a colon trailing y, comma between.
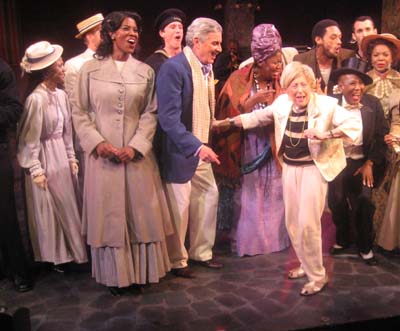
x: 250, y: 293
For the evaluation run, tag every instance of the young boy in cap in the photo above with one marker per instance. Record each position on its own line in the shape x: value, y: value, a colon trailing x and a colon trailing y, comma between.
x: 169, y: 24
x: 349, y: 195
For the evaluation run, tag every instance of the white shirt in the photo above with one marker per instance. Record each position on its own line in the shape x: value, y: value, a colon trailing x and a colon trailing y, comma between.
x: 72, y: 67
x: 353, y: 150
x: 325, y: 73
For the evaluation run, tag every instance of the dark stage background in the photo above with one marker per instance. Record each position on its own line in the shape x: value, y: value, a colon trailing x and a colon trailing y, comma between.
x: 55, y: 20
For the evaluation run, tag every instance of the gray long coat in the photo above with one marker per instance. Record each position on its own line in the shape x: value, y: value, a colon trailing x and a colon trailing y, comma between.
x: 119, y: 195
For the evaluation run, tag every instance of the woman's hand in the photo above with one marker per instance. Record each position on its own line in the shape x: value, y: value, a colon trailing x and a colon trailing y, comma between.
x: 106, y: 150
x: 367, y: 173
x: 74, y: 168
x: 125, y: 154
x: 40, y: 181
x: 265, y: 95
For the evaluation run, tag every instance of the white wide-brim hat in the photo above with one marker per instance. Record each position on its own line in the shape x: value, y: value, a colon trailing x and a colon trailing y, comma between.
x: 88, y: 24
x: 40, y: 55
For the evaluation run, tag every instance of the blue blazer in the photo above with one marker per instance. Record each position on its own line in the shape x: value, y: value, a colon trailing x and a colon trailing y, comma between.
x: 174, y: 88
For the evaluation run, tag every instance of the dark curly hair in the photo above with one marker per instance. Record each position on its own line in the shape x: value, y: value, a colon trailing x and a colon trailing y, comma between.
x: 380, y: 41
x: 112, y: 23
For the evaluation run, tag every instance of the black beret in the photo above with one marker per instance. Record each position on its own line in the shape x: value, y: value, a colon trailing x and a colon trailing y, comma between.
x: 319, y: 28
x: 168, y: 16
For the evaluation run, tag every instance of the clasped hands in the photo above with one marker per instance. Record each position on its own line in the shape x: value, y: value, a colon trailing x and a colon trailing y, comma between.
x: 116, y: 155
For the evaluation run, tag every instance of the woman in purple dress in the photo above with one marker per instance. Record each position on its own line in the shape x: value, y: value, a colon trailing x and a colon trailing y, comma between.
x: 248, y: 159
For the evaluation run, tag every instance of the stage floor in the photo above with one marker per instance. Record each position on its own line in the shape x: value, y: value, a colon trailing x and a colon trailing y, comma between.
x: 250, y: 293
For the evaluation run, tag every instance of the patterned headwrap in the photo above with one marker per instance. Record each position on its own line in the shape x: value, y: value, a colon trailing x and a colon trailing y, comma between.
x: 265, y: 41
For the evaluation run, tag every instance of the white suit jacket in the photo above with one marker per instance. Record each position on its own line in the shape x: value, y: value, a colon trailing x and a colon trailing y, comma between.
x: 72, y: 67
x: 324, y: 114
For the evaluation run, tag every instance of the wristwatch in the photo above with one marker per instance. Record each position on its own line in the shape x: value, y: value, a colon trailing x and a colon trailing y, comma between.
x: 232, y: 122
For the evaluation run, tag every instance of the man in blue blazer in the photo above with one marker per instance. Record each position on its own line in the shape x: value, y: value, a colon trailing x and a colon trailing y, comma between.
x: 350, y: 193
x: 186, y: 101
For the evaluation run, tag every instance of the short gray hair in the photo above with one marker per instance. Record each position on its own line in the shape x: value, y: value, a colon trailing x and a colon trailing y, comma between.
x: 295, y: 70
x: 200, y: 28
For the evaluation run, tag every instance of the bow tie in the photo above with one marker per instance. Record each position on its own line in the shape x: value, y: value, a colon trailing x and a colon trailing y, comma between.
x: 206, y: 69
x: 355, y: 106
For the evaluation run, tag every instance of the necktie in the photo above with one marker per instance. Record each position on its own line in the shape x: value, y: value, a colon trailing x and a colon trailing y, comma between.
x: 206, y: 69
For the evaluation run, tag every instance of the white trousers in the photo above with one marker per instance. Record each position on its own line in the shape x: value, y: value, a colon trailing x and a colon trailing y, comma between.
x: 304, y: 192
x: 193, y: 205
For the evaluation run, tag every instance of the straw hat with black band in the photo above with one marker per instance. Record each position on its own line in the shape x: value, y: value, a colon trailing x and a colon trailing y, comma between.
x: 88, y: 24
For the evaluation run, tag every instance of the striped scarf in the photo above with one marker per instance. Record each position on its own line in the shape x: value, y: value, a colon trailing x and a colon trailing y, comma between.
x: 203, y: 98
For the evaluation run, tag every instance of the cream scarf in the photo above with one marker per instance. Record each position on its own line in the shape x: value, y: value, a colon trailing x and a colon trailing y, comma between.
x: 203, y: 98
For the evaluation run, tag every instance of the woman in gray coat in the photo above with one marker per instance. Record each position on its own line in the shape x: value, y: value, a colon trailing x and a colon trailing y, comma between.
x: 125, y: 214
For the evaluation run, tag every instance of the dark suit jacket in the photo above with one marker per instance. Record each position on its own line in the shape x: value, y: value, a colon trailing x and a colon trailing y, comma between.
x: 11, y: 249
x: 310, y: 59
x: 373, y: 131
x: 174, y: 90
x: 156, y: 59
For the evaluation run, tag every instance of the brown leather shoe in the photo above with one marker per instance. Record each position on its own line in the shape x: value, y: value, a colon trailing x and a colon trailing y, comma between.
x: 212, y: 264
x: 183, y: 272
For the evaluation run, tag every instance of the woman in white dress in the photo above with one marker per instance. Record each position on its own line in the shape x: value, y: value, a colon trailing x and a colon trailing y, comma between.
x: 45, y: 151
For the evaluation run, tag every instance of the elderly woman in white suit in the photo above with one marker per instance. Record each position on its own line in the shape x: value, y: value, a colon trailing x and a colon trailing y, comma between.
x: 307, y: 128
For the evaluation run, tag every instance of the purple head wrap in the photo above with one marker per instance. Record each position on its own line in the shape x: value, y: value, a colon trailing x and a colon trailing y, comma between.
x: 265, y: 41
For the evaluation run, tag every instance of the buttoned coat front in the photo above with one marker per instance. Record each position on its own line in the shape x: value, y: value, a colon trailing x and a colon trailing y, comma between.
x: 119, y: 196
x: 324, y: 114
